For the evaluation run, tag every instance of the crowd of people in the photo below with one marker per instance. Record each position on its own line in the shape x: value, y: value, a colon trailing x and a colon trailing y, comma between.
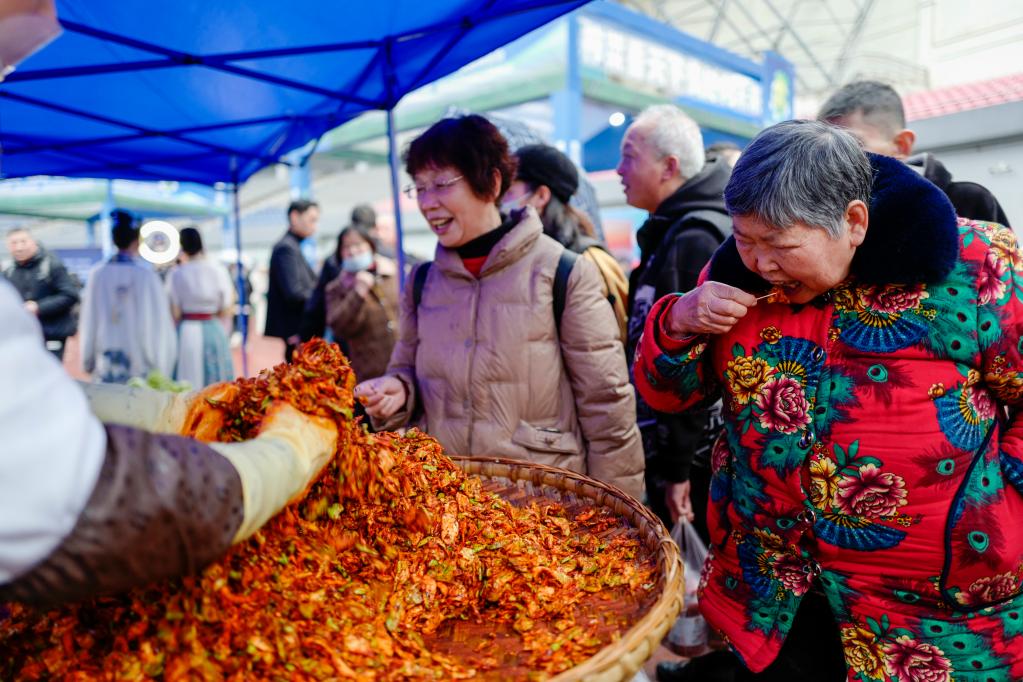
x: 816, y: 360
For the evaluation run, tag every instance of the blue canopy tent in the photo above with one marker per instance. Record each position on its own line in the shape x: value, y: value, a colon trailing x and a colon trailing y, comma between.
x: 211, y: 91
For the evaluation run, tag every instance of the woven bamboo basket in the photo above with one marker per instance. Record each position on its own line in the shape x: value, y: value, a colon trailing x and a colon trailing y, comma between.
x: 621, y: 659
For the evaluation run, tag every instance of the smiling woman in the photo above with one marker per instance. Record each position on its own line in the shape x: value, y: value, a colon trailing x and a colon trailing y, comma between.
x: 480, y: 362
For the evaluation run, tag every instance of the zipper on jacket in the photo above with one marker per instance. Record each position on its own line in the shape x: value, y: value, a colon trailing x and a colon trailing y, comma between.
x: 473, y: 319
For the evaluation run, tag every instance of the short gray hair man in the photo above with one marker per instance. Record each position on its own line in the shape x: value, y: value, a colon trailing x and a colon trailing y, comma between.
x: 800, y: 172
x: 673, y: 133
x: 661, y: 151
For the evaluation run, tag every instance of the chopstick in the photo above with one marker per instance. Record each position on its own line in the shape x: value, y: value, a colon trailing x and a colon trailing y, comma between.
x: 760, y: 298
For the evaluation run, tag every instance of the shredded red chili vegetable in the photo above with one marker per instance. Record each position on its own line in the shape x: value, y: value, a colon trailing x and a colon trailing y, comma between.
x: 396, y: 565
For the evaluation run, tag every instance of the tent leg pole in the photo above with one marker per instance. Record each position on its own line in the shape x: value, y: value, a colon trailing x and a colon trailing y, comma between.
x: 243, y: 317
x: 396, y: 197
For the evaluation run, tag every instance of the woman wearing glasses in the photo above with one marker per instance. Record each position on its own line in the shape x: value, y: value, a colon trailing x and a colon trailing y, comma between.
x: 480, y: 362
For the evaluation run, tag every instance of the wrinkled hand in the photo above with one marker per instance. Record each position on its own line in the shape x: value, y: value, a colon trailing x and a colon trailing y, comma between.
x: 676, y: 497
x: 711, y: 308
x: 382, y: 396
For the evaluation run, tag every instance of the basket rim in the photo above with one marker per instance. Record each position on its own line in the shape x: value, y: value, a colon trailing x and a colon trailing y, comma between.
x: 650, y: 629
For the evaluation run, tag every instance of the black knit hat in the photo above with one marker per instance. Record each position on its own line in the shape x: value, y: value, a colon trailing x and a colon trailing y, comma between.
x: 541, y: 164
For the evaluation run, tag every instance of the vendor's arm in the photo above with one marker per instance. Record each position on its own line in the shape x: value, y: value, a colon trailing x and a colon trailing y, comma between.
x: 670, y: 371
x: 88, y: 508
x: 52, y: 446
x: 165, y: 506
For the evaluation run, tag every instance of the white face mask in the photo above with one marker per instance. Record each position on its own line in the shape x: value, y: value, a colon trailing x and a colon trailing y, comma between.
x: 358, y: 263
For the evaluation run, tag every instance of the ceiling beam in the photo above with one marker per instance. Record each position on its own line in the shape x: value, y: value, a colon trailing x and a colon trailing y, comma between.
x: 718, y: 17
x: 842, y: 61
x: 800, y: 42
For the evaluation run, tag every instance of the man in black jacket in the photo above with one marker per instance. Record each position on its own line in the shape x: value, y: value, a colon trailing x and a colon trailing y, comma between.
x: 663, y: 172
x: 873, y: 112
x: 291, y: 278
x: 49, y: 292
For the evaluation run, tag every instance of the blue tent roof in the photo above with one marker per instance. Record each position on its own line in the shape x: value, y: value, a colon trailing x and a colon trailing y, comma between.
x: 211, y: 91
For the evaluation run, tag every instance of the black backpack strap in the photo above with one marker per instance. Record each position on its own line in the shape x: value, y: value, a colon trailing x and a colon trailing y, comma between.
x: 418, y: 282
x: 565, y: 264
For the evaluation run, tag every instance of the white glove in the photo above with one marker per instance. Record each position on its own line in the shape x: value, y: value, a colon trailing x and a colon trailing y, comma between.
x: 276, y: 467
x: 142, y: 408
x: 150, y: 410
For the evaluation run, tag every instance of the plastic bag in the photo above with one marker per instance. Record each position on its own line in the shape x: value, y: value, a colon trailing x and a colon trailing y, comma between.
x: 689, y: 634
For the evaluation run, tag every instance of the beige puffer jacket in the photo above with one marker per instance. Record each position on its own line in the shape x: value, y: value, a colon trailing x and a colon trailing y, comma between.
x: 486, y: 372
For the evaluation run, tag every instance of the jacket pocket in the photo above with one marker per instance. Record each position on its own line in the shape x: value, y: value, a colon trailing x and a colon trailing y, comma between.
x: 546, y: 439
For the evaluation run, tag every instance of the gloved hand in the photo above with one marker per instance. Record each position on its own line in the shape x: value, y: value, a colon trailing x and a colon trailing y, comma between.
x: 144, y: 408
x: 276, y: 467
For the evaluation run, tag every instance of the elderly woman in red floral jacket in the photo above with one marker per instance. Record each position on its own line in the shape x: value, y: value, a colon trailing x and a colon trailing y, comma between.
x: 866, y: 495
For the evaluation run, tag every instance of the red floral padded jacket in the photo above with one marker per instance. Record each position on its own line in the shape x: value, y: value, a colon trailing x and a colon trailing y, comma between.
x: 866, y: 448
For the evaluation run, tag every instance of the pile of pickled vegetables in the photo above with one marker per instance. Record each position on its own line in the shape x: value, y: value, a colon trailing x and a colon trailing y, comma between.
x: 395, y: 565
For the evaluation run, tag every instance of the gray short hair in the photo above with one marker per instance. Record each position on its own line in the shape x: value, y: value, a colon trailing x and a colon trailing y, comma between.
x: 800, y: 172
x: 673, y: 133
x: 879, y: 104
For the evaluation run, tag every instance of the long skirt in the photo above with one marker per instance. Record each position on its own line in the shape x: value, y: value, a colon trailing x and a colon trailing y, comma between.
x: 204, y: 357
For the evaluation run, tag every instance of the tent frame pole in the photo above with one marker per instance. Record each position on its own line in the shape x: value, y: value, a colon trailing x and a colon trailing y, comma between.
x: 392, y: 145
x: 243, y: 317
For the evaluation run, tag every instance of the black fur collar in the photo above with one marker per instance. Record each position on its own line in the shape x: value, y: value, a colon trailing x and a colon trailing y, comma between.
x: 912, y: 237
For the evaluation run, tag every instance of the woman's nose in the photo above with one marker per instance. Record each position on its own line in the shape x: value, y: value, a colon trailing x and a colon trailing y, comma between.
x: 765, y: 265
x: 427, y: 200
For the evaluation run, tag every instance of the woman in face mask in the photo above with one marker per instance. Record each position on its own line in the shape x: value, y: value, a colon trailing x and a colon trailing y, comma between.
x: 362, y: 303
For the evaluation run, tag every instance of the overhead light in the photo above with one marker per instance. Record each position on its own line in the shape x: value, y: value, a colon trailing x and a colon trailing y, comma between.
x: 616, y: 119
x: 159, y: 242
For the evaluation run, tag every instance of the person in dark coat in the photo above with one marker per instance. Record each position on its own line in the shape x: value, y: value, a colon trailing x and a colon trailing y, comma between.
x: 664, y: 172
x: 49, y: 292
x: 291, y: 278
x: 873, y: 112
x: 314, y: 318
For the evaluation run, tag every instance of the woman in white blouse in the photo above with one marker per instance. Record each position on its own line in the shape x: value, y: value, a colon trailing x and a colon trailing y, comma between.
x: 201, y: 298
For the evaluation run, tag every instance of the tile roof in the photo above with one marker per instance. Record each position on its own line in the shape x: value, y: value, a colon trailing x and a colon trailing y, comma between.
x: 965, y: 97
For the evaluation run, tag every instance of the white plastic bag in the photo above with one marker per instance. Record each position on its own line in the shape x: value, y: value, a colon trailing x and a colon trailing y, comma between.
x: 689, y: 634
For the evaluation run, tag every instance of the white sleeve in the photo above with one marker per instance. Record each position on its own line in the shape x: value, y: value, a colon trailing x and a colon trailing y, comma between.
x: 172, y: 284
x: 162, y: 342
x: 87, y: 324
x: 53, y: 446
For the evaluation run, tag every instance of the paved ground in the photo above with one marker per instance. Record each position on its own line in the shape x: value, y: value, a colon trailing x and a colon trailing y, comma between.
x: 262, y: 351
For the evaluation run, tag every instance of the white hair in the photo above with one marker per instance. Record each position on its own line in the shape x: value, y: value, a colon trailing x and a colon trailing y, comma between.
x: 672, y: 133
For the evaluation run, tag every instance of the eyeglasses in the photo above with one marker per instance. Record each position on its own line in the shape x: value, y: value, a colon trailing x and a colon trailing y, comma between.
x: 412, y: 190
